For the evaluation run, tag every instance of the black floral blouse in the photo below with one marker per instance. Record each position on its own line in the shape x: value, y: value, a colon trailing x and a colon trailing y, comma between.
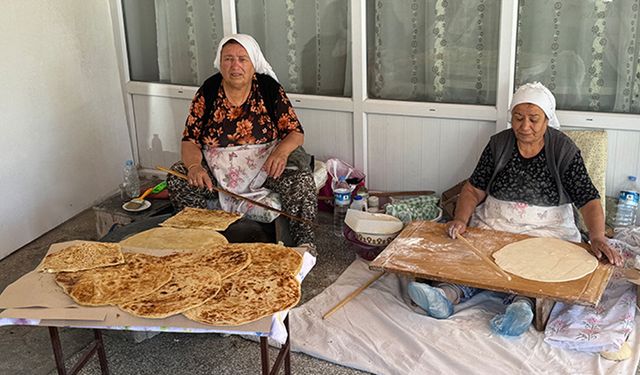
x: 530, y: 181
x: 248, y: 123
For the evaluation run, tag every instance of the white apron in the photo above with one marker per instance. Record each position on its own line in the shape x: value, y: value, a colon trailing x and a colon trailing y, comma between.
x: 238, y: 169
x: 516, y: 217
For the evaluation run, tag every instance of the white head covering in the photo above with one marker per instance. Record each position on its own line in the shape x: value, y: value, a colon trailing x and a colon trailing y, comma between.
x: 260, y: 64
x: 536, y: 93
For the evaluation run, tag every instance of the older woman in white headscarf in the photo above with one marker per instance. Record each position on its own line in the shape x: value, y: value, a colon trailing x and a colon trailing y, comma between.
x: 538, y: 168
x: 243, y: 134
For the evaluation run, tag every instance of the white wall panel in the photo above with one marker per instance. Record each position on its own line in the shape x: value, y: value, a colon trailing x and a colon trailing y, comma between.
x: 623, y: 158
x: 159, y: 125
x: 160, y: 121
x: 413, y: 153
x: 327, y: 134
x: 64, y: 130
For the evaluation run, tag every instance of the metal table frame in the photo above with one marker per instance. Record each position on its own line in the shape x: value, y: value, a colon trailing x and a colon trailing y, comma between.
x: 97, y: 347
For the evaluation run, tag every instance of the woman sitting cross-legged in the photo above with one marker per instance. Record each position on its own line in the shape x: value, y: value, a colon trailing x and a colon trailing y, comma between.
x: 243, y: 134
x: 527, y: 180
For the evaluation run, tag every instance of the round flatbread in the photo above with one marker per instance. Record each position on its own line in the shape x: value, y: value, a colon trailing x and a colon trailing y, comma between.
x: 271, y: 256
x: 167, y: 238
x: 191, y: 286
x: 546, y: 259
x: 226, y: 260
x: 141, y: 274
x: 248, y: 296
x: 83, y: 256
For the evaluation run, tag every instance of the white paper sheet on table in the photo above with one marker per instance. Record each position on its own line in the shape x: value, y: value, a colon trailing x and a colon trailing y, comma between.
x: 377, y: 332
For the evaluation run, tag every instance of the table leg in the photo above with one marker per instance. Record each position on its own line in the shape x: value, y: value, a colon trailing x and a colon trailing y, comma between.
x: 543, y: 310
x: 97, y: 346
x: 264, y: 355
x: 283, y: 355
x: 57, y: 350
x: 102, y: 354
x: 287, y: 357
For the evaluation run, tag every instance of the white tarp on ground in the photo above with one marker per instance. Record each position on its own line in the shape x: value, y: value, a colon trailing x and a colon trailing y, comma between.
x: 379, y: 333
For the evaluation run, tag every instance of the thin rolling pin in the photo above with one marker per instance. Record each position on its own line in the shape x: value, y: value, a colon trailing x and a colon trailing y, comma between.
x: 352, y: 295
x: 219, y: 190
x: 484, y: 257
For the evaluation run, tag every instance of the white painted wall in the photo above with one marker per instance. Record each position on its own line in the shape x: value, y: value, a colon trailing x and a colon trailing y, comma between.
x: 63, y: 128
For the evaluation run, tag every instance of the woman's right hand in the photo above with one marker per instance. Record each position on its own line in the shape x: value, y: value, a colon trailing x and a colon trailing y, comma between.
x: 199, y: 177
x: 455, y: 227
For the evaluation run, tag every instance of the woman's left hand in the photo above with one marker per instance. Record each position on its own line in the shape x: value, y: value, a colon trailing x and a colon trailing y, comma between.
x: 275, y: 164
x: 599, y: 246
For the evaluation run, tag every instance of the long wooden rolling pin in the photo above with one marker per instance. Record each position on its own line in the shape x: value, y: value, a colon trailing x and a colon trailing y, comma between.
x: 352, y: 295
x: 220, y: 190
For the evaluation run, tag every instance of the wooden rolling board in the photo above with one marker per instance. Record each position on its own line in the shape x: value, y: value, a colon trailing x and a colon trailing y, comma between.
x: 424, y: 250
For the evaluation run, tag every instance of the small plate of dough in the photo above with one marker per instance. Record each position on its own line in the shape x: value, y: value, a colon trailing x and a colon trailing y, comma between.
x: 132, y: 207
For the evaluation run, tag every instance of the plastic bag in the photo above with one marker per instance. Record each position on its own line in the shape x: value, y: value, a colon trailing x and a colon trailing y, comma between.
x: 338, y: 168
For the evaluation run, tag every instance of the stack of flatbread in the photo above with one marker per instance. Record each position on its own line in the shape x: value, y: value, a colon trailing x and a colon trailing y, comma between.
x: 224, y: 284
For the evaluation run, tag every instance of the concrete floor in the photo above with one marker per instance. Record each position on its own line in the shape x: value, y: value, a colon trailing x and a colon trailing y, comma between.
x: 27, y: 350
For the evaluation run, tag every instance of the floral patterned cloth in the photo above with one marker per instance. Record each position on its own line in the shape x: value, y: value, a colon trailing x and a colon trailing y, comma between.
x: 248, y: 123
x: 518, y: 217
x: 239, y: 170
x: 601, y: 328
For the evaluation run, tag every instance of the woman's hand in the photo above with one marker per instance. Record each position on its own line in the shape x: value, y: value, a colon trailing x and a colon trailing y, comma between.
x: 276, y: 162
x: 199, y: 177
x: 599, y: 246
x: 455, y: 227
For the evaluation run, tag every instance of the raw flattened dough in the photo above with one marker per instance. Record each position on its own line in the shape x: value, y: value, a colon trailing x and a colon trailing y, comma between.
x: 546, y: 259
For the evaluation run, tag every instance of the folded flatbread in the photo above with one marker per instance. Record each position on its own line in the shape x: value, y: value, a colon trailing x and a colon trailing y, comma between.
x: 167, y: 238
x: 248, y: 296
x: 140, y: 275
x: 83, y: 256
x: 199, y: 218
x: 191, y: 286
x: 226, y: 260
x: 268, y: 285
x: 271, y: 256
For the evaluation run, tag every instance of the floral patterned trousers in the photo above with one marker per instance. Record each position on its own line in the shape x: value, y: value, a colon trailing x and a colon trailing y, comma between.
x: 296, y: 188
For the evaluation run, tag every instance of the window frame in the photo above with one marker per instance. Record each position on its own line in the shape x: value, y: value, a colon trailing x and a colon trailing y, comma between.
x: 359, y: 105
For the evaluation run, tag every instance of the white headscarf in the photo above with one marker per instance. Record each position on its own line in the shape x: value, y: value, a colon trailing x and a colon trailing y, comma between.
x: 536, y: 93
x: 260, y: 64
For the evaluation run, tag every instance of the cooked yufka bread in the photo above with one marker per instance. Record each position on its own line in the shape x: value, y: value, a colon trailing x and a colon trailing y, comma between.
x: 199, y: 218
x: 140, y: 275
x: 268, y: 285
x: 192, y: 285
x: 168, y: 238
x: 227, y: 260
x: 247, y: 296
x: 271, y: 256
x: 83, y: 256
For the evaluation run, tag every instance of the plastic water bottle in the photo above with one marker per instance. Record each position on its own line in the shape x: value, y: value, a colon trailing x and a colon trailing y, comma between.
x: 341, y: 202
x: 131, y: 181
x: 627, y: 204
x: 359, y: 203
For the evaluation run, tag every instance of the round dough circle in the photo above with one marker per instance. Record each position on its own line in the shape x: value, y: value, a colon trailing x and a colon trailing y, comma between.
x: 546, y: 259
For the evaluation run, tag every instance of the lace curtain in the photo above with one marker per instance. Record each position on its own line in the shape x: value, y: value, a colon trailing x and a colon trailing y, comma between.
x: 306, y: 42
x: 433, y: 50
x: 188, y: 33
x: 586, y: 52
